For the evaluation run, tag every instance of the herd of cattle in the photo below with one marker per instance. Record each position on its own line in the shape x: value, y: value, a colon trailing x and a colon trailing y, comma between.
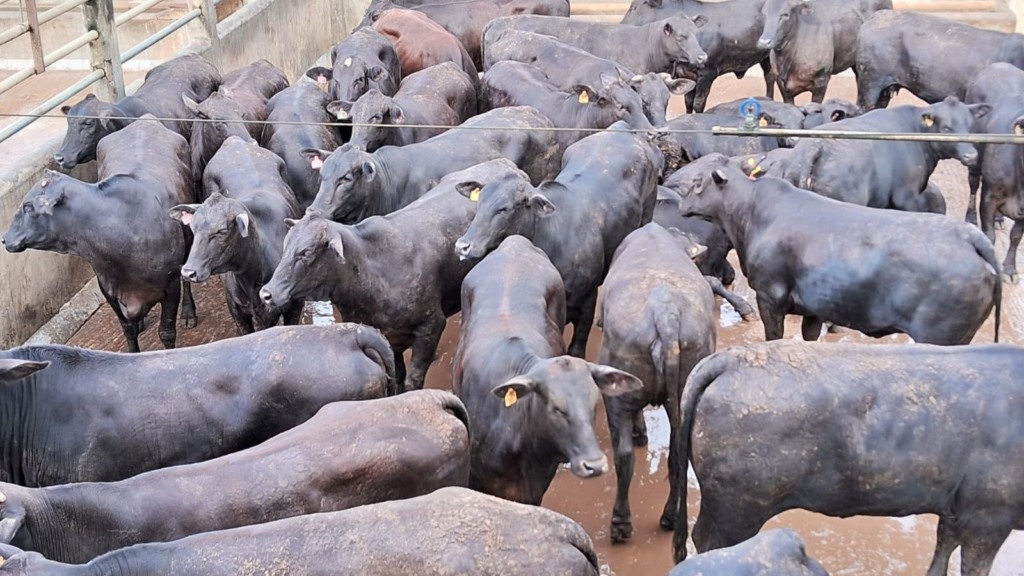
x: 496, y: 158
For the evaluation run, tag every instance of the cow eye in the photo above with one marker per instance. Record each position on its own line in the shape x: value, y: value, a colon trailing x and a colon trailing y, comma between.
x: 376, y: 118
x: 347, y: 177
x: 359, y: 81
x: 559, y: 411
x: 784, y: 16
x: 28, y: 208
x: 304, y: 254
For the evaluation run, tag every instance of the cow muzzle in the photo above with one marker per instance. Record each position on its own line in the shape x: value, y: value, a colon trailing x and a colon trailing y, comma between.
x: 764, y: 43
x: 12, y: 246
x: 969, y: 158
x: 266, y: 297
x: 590, y: 468
x: 192, y: 275
x: 463, y: 249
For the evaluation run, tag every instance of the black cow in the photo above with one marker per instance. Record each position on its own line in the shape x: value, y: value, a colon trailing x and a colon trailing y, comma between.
x: 297, y: 116
x: 729, y: 37
x: 897, y: 176
x: 160, y: 95
x: 849, y: 429
x: 811, y: 40
x: 831, y: 267
x: 787, y: 115
x: 119, y: 225
x: 397, y: 272
x: 78, y: 420
x: 531, y: 407
x: 776, y: 552
x: 606, y: 189
x: 655, y: 90
x: 654, y: 47
x: 239, y: 230
x: 355, y: 184
x: 450, y: 531
x: 692, y: 133
x: 712, y: 263
x: 399, y: 447
x: 831, y: 110
x: 658, y: 321
x: 236, y: 108
x: 931, y: 56
x: 364, y: 60
x: 428, y: 100
x: 511, y: 83
x: 994, y: 83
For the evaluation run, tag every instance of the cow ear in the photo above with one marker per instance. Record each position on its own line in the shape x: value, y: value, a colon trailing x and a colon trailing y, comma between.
x: 338, y: 246
x: 514, y: 389
x: 980, y: 110
x: 584, y: 94
x: 377, y: 74
x: 838, y: 115
x: 242, y: 222
x: 612, y: 381
x: 65, y: 109
x: 191, y: 104
x: 183, y: 213
x: 340, y: 109
x: 542, y: 205
x: 289, y: 223
x: 11, y: 522
x: 46, y: 204
x: 369, y: 171
x: 700, y: 20
x: 680, y: 86
x: 470, y: 189
x: 806, y: 6
x: 668, y: 30
x: 607, y: 79
x: 719, y: 177
x: 927, y: 120
x: 315, y: 156
x: 1018, y: 126
x: 13, y: 369
x: 397, y: 115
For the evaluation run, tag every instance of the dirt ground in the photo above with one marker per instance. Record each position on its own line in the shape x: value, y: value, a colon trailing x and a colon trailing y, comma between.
x: 862, y: 545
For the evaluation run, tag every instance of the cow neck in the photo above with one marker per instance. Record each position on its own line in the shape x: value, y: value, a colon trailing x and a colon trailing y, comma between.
x: 656, y: 61
x: 737, y: 213
x: 16, y: 399
x: 97, y: 509
x: 253, y: 259
x: 43, y: 530
x: 94, y: 211
x: 388, y: 183
x: 350, y: 284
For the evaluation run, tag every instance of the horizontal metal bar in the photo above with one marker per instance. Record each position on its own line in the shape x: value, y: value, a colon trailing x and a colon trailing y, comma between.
x: 13, y: 32
x: 70, y: 47
x: 160, y: 35
x: 16, y: 78
x: 50, y: 104
x: 890, y: 136
x: 59, y: 10
x: 126, y: 16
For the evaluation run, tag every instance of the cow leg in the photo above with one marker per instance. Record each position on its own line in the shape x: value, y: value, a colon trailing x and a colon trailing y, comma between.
x: 620, y: 427
x: 819, y: 89
x: 773, y: 320
x: 769, y: 78
x: 243, y: 318
x: 676, y: 464
x: 293, y: 314
x: 743, y: 308
x: 700, y: 93
x: 639, y: 429
x: 979, y: 549
x: 947, y: 539
x: 973, y: 183
x: 720, y: 526
x: 1010, y: 263
x: 399, y: 371
x: 581, y: 327
x: 169, y: 312
x: 188, y: 305
x: 988, y: 208
x: 810, y: 328
x: 129, y: 328
x: 424, y: 347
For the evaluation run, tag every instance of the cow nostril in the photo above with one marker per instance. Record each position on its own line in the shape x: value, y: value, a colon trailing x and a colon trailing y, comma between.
x: 188, y: 274
x: 265, y: 295
x: 58, y: 159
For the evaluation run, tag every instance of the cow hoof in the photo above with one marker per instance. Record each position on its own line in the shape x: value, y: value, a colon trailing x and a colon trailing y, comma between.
x: 972, y: 218
x: 1009, y: 276
x: 640, y: 438
x: 748, y: 314
x: 667, y: 523
x: 621, y: 531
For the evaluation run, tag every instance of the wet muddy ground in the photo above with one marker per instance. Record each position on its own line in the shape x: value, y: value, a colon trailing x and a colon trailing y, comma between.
x: 861, y: 545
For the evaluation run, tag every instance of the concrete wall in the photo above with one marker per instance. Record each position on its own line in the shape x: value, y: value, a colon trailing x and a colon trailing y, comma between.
x: 34, y: 284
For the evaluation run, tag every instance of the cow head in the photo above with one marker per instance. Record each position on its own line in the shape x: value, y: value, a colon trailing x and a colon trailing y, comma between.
x: 509, y: 205
x: 43, y: 216
x: 88, y: 122
x: 221, y: 227
x: 312, y: 248
x: 655, y: 91
x: 679, y: 43
x: 564, y: 392
x: 953, y: 117
x: 832, y: 110
x: 350, y: 78
x: 689, y: 243
x: 348, y: 182
x: 368, y: 114
x: 780, y: 16
x: 220, y: 117
x: 701, y: 184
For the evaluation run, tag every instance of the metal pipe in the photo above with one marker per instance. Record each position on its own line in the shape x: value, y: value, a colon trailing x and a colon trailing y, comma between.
x: 126, y: 16
x: 50, y: 104
x: 15, y: 79
x: 160, y: 35
x: 60, y: 9
x: 890, y: 136
x: 22, y: 75
x: 13, y: 32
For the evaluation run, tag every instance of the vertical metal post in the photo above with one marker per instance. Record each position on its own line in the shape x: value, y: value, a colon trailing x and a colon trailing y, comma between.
x: 208, y: 20
x: 104, y: 51
x: 32, y: 19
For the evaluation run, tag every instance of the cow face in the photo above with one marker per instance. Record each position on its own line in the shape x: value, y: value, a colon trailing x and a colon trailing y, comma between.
x: 832, y: 110
x: 507, y: 206
x: 655, y: 91
x: 368, y: 114
x: 565, y: 391
x: 42, y: 216
x: 700, y: 186
x: 312, y: 246
x: 88, y: 122
x: 679, y: 40
x: 350, y: 78
x: 780, y: 17
x: 348, y: 181
x: 220, y: 117
x: 953, y: 117
x: 619, y: 101
x: 221, y: 226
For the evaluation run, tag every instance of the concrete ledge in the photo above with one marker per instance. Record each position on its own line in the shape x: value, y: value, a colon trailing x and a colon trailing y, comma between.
x: 71, y: 316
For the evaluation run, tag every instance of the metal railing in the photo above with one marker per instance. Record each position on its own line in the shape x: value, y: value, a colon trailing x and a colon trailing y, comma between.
x: 100, y: 35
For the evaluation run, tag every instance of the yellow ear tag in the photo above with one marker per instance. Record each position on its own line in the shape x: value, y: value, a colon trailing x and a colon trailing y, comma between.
x: 510, y: 397
x: 751, y: 161
x: 763, y: 123
x: 584, y: 97
x: 474, y: 196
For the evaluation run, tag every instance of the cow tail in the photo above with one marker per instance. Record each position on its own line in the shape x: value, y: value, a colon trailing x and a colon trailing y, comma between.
x: 703, y: 374
x: 376, y: 347
x: 987, y: 251
x: 799, y: 167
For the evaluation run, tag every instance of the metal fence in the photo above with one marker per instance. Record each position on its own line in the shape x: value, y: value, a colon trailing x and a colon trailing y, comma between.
x: 100, y: 35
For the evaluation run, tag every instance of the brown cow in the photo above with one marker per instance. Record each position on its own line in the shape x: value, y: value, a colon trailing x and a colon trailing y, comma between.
x: 421, y: 42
